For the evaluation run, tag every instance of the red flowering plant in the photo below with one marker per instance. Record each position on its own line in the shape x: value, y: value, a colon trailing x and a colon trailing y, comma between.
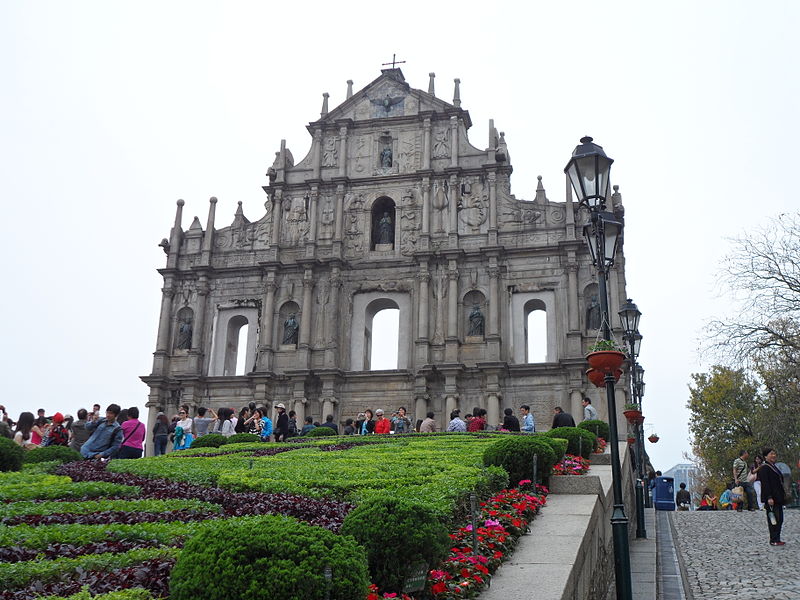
x: 374, y: 594
x: 571, y: 465
x: 601, y: 446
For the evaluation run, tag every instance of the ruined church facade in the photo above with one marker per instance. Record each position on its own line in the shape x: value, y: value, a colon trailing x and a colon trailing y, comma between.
x: 392, y: 207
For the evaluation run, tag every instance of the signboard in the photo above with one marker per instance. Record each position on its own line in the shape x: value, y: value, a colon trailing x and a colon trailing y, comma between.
x: 415, y: 582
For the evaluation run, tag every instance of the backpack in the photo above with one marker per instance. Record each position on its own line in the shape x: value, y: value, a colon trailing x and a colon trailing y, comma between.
x: 58, y: 436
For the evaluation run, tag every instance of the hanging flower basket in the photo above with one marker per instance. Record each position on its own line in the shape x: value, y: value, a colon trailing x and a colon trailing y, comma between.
x: 606, y: 361
x: 653, y: 438
x: 634, y: 417
x: 598, y: 378
x: 631, y: 441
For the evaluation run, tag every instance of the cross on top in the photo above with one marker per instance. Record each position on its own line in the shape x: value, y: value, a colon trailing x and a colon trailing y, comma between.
x: 394, y: 61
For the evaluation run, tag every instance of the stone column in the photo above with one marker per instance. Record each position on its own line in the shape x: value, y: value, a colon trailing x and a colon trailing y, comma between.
x: 316, y: 151
x: 450, y: 404
x: 339, y: 226
x: 331, y: 335
x: 494, y: 297
x: 452, y: 299
x: 492, y: 200
x: 276, y: 217
x: 208, y: 235
x: 424, y: 277
x: 328, y: 404
x: 153, y: 406
x: 267, y: 320
x: 305, y: 323
x: 454, y: 141
x: 198, y: 331
x: 175, y: 237
x: 299, y: 401
x: 493, y: 410
x: 426, y: 205
x: 426, y: 143
x: 165, y: 319
x: 343, y: 151
x: 420, y: 408
x: 453, y: 208
x: 576, y: 406
x: 572, y: 298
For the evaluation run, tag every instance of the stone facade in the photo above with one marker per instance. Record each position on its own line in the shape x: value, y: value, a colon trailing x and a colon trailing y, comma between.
x: 392, y: 207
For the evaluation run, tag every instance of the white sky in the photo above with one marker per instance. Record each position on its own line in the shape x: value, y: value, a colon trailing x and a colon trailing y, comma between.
x: 111, y: 111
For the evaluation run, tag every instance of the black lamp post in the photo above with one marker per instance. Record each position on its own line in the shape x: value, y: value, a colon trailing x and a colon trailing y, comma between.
x: 629, y: 316
x: 588, y: 171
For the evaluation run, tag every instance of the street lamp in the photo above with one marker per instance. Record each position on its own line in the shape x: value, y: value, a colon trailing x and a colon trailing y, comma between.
x: 588, y: 171
x: 629, y: 315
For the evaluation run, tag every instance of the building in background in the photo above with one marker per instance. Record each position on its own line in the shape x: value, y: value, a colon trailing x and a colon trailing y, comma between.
x: 393, y: 207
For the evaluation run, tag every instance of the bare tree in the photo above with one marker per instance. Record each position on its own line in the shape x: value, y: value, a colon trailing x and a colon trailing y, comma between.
x: 762, y: 276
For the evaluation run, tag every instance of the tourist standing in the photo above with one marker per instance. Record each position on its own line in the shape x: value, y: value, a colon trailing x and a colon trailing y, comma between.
x: 562, y: 419
x: 382, y: 424
x: 428, y: 425
x: 401, y: 423
x: 160, y: 434
x: 528, y: 423
x: 740, y: 472
x: 79, y: 433
x: 773, y: 495
x: 202, y: 422
x: 266, y: 425
x: 758, y: 460
x: 589, y: 411
x: 456, y: 423
x: 510, y: 422
x: 292, y: 424
x: 133, y: 431
x: 368, y: 425
x: 281, y: 423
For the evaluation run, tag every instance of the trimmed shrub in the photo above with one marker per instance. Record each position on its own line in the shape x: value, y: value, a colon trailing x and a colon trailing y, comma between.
x: 85, y: 594
x: 597, y: 427
x: 241, y: 438
x: 11, y: 455
x: 320, y: 432
x: 580, y: 441
x: 559, y: 445
x: 397, y: 535
x: 268, y: 557
x: 515, y: 454
x: 210, y: 440
x: 62, y: 454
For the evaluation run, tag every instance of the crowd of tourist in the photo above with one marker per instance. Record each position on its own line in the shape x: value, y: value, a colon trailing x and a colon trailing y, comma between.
x: 118, y: 433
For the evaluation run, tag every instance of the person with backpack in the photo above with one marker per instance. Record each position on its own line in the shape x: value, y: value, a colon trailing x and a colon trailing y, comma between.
x: 57, y: 434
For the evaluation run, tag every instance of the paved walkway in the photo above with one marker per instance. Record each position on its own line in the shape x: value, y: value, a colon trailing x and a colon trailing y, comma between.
x: 726, y: 555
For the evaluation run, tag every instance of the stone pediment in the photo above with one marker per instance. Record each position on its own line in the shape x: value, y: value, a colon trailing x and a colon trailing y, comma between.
x: 387, y: 96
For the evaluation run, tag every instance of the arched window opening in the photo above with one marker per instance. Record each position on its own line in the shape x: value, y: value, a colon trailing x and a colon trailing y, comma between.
x: 535, y: 332
x: 236, y: 346
x: 474, y: 315
x: 383, y: 224
x: 381, y: 335
x: 288, y: 329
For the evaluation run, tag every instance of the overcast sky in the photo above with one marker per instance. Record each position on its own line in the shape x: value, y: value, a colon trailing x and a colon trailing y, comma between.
x: 111, y: 111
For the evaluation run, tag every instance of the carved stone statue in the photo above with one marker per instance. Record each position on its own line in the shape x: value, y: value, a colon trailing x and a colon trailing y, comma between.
x: 441, y: 144
x: 476, y: 322
x: 593, y: 313
x: 385, y: 230
x: 290, y: 330
x: 386, y: 157
x: 185, y: 334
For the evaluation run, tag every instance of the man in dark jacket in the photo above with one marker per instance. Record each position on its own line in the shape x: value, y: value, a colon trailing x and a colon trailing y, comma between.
x: 772, y: 495
x: 329, y: 423
x: 562, y: 419
x: 281, y: 423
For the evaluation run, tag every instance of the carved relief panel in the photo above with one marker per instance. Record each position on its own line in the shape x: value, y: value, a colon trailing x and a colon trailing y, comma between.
x: 295, y: 226
x: 354, y: 224
x: 473, y: 206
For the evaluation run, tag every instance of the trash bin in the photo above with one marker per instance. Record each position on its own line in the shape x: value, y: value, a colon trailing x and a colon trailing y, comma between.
x: 664, y: 493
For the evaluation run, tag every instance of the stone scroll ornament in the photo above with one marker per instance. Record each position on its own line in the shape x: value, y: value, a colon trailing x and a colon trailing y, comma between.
x: 290, y: 330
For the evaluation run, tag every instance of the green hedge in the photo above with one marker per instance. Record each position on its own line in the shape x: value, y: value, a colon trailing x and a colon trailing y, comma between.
x: 269, y: 557
x: 19, y: 574
x: 515, y: 454
x: 62, y: 454
x: 580, y: 441
x: 320, y: 432
x: 559, y: 445
x: 397, y: 535
x: 85, y: 594
x: 82, y: 489
x: 210, y: 440
x: 18, y: 509
x: 242, y: 438
x: 597, y: 427
x: 11, y: 455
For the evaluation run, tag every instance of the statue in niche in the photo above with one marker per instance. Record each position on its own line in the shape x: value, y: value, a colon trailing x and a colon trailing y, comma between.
x: 290, y: 330
x: 593, y: 313
x: 386, y: 157
x: 385, y: 230
x: 476, y: 322
x: 185, y: 333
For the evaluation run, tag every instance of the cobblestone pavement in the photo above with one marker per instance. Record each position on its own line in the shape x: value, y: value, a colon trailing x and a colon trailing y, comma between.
x: 727, y: 555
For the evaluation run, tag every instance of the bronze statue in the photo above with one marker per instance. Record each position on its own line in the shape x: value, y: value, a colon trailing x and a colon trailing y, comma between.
x: 290, y: 330
x: 476, y: 322
x: 185, y: 334
x: 385, y: 230
x: 593, y: 313
x: 386, y: 157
